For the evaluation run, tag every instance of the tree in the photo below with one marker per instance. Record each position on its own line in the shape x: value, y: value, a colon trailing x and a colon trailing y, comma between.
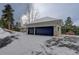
x: 68, y: 24
x: 17, y: 26
x: 31, y: 12
x: 7, y: 17
x: 76, y: 29
x: 1, y: 23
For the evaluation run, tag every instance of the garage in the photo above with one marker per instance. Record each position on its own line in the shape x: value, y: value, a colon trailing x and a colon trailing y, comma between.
x: 46, y: 26
x: 48, y: 31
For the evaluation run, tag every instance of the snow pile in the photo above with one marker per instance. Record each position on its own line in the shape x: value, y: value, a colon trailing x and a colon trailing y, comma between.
x: 66, y: 45
x: 4, y: 33
x: 62, y: 51
x: 6, y: 37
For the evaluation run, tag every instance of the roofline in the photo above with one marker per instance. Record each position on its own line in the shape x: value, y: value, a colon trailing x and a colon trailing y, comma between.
x: 45, y: 21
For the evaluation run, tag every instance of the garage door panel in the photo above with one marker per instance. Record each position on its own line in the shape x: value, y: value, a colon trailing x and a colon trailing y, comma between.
x: 44, y: 31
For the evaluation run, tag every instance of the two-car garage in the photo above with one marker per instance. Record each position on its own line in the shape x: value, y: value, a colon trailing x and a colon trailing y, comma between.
x: 49, y: 30
x: 45, y: 26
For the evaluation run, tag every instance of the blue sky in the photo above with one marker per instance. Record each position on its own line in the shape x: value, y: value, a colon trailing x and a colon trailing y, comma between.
x: 59, y: 11
x: 19, y: 10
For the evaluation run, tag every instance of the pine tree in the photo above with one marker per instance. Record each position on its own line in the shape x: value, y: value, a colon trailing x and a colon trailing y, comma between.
x: 7, y: 17
x: 68, y: 24
x: 17, y: 26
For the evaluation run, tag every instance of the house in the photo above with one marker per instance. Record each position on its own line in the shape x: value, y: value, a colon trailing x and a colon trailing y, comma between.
x: 45, y: 26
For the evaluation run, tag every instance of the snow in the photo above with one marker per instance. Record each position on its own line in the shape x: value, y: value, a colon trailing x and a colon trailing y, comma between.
x: 3, y: 33
x: 37, y: 45
x: 44, y: 19
x: 47, y: 19
x: 62, y: 51
x: 24, y: 45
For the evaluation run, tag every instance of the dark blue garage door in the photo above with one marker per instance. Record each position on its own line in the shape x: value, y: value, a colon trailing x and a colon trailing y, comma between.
x: 31, y: 30
x: 44, y: 31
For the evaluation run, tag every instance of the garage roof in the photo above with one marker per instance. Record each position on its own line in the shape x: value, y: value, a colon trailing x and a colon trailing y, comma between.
x: 47, y: 19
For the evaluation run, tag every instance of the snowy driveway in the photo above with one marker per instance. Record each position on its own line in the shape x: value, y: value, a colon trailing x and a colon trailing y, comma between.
x: 36, y: 45
x: 26, y: 44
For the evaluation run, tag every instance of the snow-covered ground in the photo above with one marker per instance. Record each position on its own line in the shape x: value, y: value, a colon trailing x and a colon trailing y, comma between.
x: 25, y: 44
x: 3, y: 33
x: 39, y: 45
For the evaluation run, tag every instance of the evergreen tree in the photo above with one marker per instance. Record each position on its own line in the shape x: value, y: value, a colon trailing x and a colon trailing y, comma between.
x: 1, y: 23
x: 7, y: 17
x: 68, y: 24
x: 17, y: 26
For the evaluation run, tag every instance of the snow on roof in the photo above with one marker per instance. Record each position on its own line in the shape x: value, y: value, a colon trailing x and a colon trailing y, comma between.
x: 46, y: 19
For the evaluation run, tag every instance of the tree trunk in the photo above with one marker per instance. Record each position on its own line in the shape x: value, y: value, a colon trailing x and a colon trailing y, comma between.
x: 9, y: 27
